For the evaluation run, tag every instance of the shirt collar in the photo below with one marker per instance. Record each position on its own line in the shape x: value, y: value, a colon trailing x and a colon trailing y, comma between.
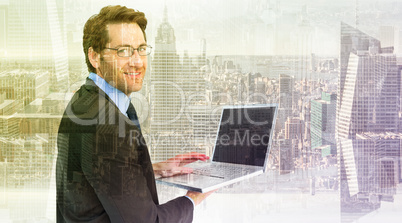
x: 121, y: 100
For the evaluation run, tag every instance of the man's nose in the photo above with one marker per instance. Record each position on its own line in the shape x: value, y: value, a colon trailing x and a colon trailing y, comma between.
x: 135, y: 59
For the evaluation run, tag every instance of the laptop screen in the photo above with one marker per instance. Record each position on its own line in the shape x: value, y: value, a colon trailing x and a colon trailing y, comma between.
x: 244, y: 135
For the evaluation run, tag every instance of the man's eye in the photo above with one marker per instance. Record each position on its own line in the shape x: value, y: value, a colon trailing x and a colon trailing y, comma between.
x: 124, y: 51
x: 142, y: 49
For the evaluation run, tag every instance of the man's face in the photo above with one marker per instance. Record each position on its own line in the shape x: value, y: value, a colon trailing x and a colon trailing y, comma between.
x: 123, y: 73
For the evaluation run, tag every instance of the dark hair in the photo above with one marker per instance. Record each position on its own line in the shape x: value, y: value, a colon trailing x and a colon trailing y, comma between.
x: 96, y: 34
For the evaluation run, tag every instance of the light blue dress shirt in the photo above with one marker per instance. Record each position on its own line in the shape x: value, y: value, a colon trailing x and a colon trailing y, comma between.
x: 121, y: 100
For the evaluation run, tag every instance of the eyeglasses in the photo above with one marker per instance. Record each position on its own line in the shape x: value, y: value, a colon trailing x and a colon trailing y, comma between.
x: 128, y: 51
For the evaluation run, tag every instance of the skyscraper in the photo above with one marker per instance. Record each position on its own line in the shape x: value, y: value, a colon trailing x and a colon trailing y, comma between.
x: 387, y: 36
x: 24, y: 85
x: 285, y: 91
x: 367, y: 112
x: 352, y: 42
x: 286, y: 84
x: 3, y: 29
x: 176, y: 83
x: 286, y: 156
x: 368, y: 94
x: 323, y: 121
x: 36, y: 35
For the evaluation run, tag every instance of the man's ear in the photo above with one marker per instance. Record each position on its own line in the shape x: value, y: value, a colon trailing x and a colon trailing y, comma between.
x: 94, y: 58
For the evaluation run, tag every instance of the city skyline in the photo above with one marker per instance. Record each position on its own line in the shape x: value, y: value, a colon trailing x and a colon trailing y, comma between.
x: 336, y: 78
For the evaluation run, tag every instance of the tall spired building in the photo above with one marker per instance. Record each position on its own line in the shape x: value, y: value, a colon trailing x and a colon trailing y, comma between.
x: 36, y: 35
x: 367, y: 121
x: 171, y: 81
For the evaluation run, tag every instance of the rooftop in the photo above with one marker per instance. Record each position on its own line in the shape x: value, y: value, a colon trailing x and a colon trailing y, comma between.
x: 6, y: 103
x: 22, y: 73
x: 382, y: 135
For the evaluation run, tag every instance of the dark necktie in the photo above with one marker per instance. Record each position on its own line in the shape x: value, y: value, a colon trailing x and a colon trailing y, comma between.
x: 132, y: 115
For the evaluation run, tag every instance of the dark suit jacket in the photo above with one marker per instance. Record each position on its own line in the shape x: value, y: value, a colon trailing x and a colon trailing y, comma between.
x: 104, y: 172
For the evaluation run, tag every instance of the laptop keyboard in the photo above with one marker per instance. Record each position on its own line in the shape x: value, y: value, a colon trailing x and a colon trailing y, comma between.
x: 217, y: 170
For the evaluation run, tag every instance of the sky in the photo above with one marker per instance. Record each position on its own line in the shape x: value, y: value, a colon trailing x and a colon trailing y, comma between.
x: 259, y: 27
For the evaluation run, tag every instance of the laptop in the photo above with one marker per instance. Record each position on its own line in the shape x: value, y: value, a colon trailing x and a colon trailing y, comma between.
x: 241, y: 149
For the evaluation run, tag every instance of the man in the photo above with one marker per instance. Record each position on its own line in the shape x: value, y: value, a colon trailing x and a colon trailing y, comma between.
x: 104, y: 172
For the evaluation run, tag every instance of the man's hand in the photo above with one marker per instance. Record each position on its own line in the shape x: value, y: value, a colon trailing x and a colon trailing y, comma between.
x: 198, y: 197
x: 175, y: 165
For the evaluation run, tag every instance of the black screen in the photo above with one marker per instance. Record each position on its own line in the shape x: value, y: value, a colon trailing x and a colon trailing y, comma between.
x: 243, y: 135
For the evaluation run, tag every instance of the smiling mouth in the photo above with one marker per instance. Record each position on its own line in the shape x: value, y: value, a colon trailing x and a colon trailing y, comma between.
x: 133, y: 74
